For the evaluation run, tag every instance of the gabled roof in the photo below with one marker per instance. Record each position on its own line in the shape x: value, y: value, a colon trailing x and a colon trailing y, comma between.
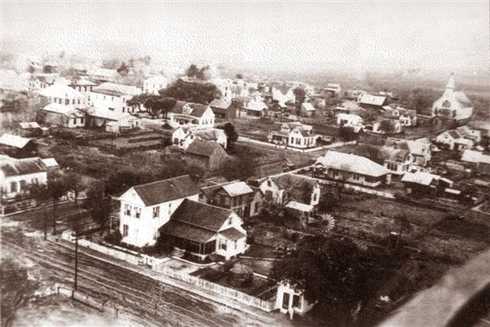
x: 63, y: 110
x: 203, y: 148
x: 107, y: 114
x: 60, y: 91
x: 419, y: 177
x: 186, y: 231
x: 189, y: 108
x: 166, y: 190
x: 14, y: 140
x: 352, y: 163
x: 50, y: 162
x: 393, y: 154
x: 220, y: 104
x: 114, y: 89
x: 201, y: 215
x: 17, y: 167
x: 236, y: 189
x: 475, y: 157
x: 374, y: 100
x: 299, y: 206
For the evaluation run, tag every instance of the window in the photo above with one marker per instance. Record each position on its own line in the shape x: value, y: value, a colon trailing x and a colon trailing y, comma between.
x: 22, y: 185
x: 127, y: 210
x: 355, y: 176
x: 169, y: 208
x: 67, y: 101
x: 222, y: 245
x: 137, y: 212
x: 13, y: 187
x: 156, y: 212
x: 296, y: 301
x: 235, y: 244
x: 125, y: 230
x: 35, y: 180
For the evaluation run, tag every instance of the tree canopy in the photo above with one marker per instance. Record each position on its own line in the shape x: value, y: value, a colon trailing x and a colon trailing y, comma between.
x: 231, y: 135
x: 191, y: 92
x: 328, y: 270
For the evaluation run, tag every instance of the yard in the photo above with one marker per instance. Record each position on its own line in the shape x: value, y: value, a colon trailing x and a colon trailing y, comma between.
x: 242, y: 280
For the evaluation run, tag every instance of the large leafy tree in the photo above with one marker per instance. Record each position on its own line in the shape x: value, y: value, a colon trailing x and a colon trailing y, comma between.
x: 98, y: 204
x: 57, y: 187
x: 231, y: 135
x: 39, y: 192
x: 200, y: 92
x: 74, y: 183
x: 328, y: 270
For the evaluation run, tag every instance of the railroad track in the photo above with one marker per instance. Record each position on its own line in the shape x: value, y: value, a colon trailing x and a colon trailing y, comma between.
x: 137, y: 293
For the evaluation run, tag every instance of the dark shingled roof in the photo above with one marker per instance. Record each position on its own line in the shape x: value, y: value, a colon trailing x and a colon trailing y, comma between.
x: 22, y: 166
x: 201, y: 215
x: 203, y: 148
x: 186, y: 231
x: 166, y: 190
x: 197, y: 109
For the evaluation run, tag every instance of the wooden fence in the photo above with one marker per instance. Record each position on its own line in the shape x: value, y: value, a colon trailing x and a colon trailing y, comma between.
x: 220, y: 290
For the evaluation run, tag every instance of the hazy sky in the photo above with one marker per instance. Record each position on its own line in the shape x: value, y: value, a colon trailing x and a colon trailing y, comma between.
x: 284, y: 35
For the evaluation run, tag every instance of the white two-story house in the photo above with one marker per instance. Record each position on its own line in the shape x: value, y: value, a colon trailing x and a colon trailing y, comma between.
x: 147, y: 207
x: 113, y: 97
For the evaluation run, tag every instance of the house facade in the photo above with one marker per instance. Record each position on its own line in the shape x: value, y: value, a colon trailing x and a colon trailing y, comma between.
x: 352, y: 169
x: 17, y: 174
x: 397, y: 161
x: 295, y: 134
x: 204, y: 229
x: 206, y: 154
x: 237, y: 196
x: 424, y: 183
x: 113, y: 97
x: 183, y: 136
x: 350, y: 120
x: 195, y: 115
x: 454, y: 140
x: 154, y: 84
x: 290, y: 300
x: 147, y: 207
x: 253, y: 107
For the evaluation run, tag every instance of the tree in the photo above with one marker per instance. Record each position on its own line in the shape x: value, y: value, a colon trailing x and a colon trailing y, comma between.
x: 346, y: 133
x: 231, y: 135
x: 123, y: 70
x: 239, y: 76
x: 57, y: 187
x: 192, y: 71
x: 238, y: 168
x: 386, y: 126
x: 198, y: 92
x: 330, y: 271
x: 300, y: 96
x: 98, y: 204
x: 166, y: 104
x: 153, y: 104
x: 74, y: 183
x: 39, y: 192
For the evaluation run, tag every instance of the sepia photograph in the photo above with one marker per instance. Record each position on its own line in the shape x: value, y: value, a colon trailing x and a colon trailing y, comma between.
x: 255, y: 163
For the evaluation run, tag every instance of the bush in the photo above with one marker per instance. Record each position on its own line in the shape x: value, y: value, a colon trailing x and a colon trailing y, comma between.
x: 114, y: 238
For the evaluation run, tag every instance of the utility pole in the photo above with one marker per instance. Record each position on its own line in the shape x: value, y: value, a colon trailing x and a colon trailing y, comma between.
x: 75, y: 280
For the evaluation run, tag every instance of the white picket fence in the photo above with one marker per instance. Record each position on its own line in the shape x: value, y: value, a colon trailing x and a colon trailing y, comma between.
x: 220, y: 290
x: 194, y: 282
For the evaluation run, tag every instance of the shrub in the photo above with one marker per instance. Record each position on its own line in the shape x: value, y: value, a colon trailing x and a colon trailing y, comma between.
x: 114, y: 238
